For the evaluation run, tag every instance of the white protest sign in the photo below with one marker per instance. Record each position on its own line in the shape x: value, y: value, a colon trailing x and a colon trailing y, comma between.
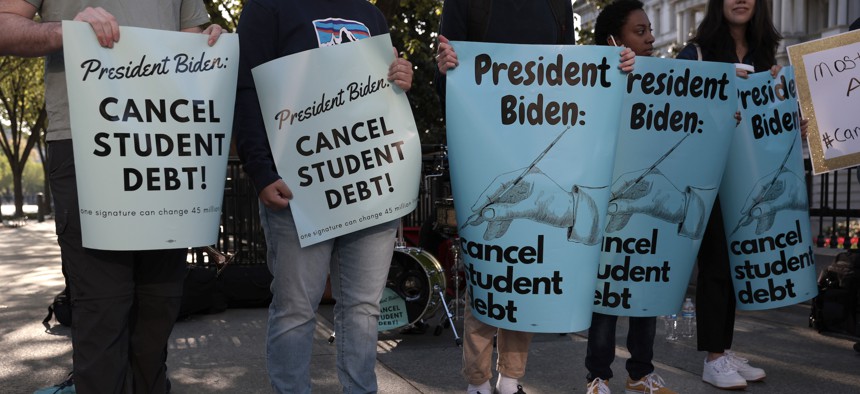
x: 828, y: 78
x: 151, y: 123
x: 343, y: 138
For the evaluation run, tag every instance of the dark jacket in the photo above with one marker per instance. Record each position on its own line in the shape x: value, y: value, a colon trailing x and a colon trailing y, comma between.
x: 510, y: 22
x: 270, y: 29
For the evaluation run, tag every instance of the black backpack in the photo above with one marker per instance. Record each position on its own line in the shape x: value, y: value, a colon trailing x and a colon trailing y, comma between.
x: 835, y: 309
x: 61, y: 307
x: 479, y: 18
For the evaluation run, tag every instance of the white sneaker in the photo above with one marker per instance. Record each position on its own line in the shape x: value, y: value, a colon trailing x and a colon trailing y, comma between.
x: 721, y: 373
x: 747, y: 371
x: 598, y: 386
x: 483, y: 388
x: 506, y: 385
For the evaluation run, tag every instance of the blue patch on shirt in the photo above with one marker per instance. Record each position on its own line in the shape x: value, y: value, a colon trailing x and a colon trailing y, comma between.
x: 333, y: 31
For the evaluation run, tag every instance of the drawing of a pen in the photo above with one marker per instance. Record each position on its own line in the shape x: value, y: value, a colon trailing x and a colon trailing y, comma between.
x: 516, y: 181
x: 758, y: 199
x: 648, y: 171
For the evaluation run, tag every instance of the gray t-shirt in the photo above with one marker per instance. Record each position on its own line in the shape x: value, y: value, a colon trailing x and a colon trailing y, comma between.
x: 171, y: 15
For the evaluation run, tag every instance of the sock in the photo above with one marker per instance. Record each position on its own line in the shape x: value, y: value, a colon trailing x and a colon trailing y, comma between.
x: 506, y: 385
x: 483, y: 388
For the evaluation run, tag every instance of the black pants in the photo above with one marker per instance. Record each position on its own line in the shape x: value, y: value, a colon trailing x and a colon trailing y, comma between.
x: 715, y: 295
x: 124, y: 303
x: 601, y: 346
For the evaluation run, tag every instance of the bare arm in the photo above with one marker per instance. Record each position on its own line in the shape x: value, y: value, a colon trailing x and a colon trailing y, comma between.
x: 20, y: 35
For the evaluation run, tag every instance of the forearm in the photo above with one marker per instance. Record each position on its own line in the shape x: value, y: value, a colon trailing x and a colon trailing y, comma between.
x: 251, y: 141
x: 20, y: 36
x: 195, y: 29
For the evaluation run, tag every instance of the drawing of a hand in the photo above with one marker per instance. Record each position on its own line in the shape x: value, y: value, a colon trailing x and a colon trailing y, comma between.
x: 770, y: 195
x: 653, y: 195
x: 535, y: 196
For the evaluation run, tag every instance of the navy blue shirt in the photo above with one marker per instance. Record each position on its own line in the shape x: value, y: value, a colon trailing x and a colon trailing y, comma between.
x: 270, y: 29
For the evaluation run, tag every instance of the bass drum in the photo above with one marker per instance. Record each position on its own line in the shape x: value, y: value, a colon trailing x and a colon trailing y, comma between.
x: 417, y: 277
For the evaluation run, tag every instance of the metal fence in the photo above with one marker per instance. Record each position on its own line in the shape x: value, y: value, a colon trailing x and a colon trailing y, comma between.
x: 834, y: 209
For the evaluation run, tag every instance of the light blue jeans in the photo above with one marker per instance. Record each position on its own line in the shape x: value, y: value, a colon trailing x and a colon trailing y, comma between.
x: 359, y: 264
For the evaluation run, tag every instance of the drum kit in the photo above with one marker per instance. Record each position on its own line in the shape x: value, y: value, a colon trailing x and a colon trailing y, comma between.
x: 430, y: 277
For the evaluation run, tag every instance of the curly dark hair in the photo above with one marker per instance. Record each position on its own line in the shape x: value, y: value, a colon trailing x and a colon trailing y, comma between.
x: 762, y: 37
x: 612, y: 18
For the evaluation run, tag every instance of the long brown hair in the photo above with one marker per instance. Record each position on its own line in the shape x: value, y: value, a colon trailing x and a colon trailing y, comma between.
x: 762, y: 37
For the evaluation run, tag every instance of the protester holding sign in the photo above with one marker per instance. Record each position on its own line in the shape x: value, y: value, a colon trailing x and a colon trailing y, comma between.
x: 535, y: 22
x: 359, y: 261
x: 733, y: 31
x: 623, y: 23
x: 124, y: 303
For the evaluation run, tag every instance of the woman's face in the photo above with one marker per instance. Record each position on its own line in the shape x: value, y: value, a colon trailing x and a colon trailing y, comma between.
x: 738, y: 12
x: 636, y: 34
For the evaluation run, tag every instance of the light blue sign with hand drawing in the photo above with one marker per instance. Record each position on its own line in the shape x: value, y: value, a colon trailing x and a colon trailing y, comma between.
x: 671, y: 152
x: 763, y: 198
x: 531, y: 142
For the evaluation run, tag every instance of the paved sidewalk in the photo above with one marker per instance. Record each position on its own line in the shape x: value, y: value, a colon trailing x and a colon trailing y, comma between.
x: 225, y: 352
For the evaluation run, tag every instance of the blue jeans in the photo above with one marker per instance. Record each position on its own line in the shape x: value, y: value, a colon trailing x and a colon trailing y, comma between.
x: 601, y: 346
x: 359, y: 264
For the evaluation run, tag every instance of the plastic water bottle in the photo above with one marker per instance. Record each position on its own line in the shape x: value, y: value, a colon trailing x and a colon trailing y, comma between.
x: 688, y: 319
x: 672, y: 328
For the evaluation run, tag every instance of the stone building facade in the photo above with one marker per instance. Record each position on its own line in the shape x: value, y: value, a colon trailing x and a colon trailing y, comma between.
x: 674, y: 21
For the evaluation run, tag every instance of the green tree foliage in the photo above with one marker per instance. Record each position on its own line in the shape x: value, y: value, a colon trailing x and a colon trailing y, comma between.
x: 22, y: 117
x: 586, y: 31
x: 414, y: 26
x: 5, y: 182
x: 33, y: 178
x: 225, y: 12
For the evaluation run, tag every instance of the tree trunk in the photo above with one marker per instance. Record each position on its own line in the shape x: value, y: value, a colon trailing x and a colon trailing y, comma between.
x: 18, y: 189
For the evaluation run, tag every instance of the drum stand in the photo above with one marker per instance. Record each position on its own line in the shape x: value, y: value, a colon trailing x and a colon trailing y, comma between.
x: 450, y: 318
x: 456, y: 302
x: 459, y: 299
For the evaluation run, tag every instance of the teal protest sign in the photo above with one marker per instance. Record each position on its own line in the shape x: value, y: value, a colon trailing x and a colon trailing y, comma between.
x: 152, y: 119
x: 392, y: 311
x: 763, y: 198
x: 531, y: 141
x: 677, y: 123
